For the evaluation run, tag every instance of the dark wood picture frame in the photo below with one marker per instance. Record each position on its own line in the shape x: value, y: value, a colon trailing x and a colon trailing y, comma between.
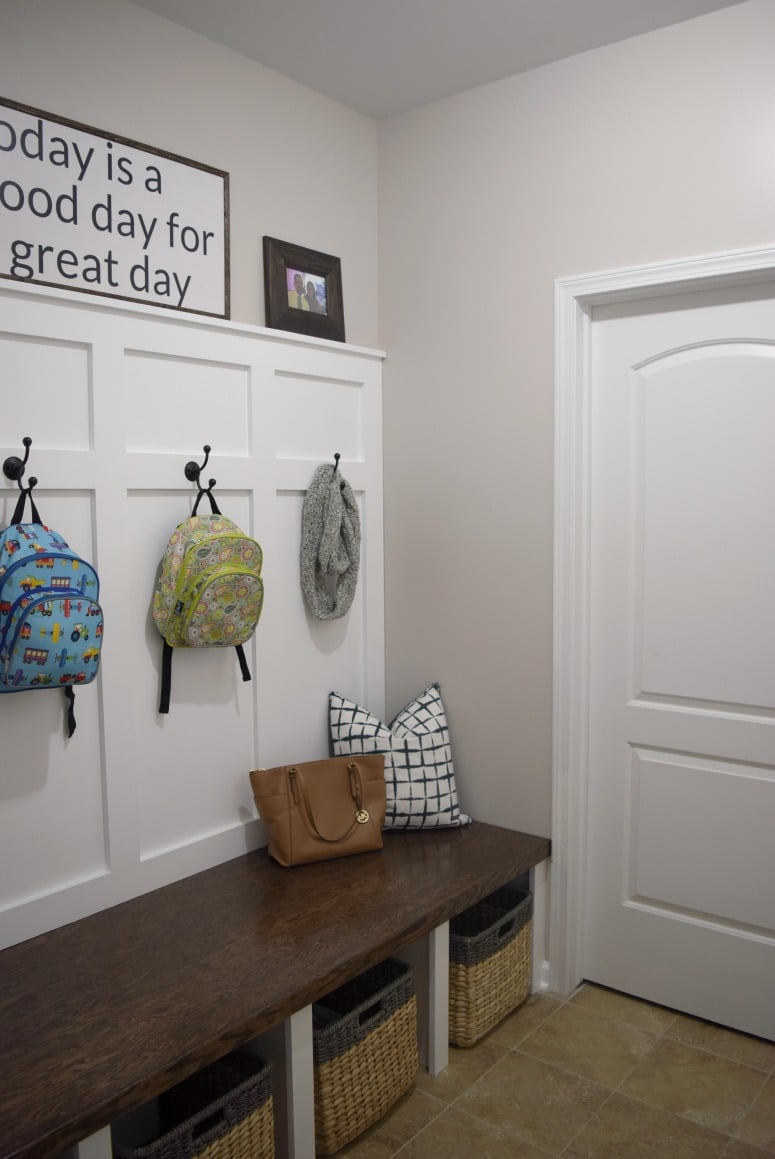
x: 282, y: 260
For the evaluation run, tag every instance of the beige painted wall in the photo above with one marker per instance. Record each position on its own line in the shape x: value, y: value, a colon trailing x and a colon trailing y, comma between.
x: 302, y: 168
x: 659, y: 148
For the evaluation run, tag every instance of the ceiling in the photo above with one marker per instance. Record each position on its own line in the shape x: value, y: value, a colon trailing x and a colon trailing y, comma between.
x: 383, y: 57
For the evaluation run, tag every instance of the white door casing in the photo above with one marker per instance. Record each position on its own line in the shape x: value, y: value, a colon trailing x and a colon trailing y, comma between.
x: 664, y: 739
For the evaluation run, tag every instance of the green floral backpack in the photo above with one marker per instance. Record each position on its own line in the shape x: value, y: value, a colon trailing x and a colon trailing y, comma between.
x: 209, y: 593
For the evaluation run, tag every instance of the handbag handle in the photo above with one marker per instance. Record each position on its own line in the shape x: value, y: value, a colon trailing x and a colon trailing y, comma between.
x: 356, y: 791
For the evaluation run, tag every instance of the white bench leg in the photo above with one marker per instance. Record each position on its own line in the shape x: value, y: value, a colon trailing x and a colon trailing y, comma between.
x: 539, y: 887
x: 95, y: 1147
x: 289, y: 1049
x: 429, y: 957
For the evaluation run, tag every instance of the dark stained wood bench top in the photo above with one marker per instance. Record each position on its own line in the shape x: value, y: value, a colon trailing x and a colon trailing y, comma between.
x: 101, y: 1015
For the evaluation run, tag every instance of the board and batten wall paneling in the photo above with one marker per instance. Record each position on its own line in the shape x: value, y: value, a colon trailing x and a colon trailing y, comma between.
x: 117, y: 398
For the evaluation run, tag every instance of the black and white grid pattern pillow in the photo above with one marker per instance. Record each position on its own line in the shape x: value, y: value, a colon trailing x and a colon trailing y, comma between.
x: 419, y: 777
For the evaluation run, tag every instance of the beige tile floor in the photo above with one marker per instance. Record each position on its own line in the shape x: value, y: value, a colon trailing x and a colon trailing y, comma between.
x: 595, y: 1076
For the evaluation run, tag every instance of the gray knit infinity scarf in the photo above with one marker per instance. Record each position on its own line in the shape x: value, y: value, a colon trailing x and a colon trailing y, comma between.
x: 330, y: 544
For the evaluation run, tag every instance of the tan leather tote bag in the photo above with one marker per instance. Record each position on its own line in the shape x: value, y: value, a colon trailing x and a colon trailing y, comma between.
x: 322, y: 809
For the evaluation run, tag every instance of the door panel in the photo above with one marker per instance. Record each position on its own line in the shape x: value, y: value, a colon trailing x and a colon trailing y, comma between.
x: 705, y: 431
x: 683, y: 806
x: 681, y: 872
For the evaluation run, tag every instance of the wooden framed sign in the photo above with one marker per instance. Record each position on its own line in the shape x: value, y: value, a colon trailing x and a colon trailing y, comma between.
x: 90, y: 211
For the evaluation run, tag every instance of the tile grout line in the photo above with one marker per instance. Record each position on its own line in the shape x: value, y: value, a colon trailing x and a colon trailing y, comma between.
x: 510, y: 1134
x: 412, y: 1138
x: 662, y: 1034
x: 516, y: 1050
x: 677, y: 1014
x: 731, y: 1136
x: 658, y: 1035
x: 736, y: 1136
x: 584, y: 1126
x: 454, y: 1102
x: 723, y: 1057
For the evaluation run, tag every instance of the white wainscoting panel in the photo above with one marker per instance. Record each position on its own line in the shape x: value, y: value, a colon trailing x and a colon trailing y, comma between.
x: 180, y: 392
x: 56, y: 373
x: 330, y: 412
x: 117, y: 398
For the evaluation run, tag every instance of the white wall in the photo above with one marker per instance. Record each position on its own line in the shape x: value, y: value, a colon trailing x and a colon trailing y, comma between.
x: 661, y: 147
x: 657, y: 148
x: 302, y: 168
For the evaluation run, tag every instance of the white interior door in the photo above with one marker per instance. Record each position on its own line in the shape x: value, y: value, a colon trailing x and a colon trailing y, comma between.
x: 680, y: 883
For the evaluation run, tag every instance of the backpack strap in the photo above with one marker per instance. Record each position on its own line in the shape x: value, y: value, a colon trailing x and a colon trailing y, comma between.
x: 166, y: 677
x: 18, y: 514
x: 166, y: 654
x: 243, y: 664
x: 208, y: 491
x: 18, y: 517
x: 166, y: 674
x: 70, y: 698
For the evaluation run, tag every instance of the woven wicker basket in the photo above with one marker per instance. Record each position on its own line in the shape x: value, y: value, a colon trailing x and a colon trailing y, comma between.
x: 365, y: 1052
x: 224, y: 1111
x: 490, y: 963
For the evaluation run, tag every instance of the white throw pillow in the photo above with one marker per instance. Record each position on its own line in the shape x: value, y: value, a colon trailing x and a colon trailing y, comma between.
x: 419, y: 776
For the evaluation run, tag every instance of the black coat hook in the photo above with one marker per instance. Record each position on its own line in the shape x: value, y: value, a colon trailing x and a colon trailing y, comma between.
x: 337, y: 457
x: 193, y: 470
x: 193, y: 473
x: 13, y: 467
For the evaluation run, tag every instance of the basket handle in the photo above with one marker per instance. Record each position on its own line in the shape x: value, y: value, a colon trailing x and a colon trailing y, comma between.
x: 209, y: 1129
x: 372, y: 1015
x: 506, y: 928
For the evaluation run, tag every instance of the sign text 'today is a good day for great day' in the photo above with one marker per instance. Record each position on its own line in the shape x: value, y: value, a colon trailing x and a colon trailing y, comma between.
x: 93, y: 212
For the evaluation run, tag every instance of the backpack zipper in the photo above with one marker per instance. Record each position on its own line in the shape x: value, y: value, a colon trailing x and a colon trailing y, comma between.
x: 29, y: 561
x: 191, y: 596
x: 182, y: 582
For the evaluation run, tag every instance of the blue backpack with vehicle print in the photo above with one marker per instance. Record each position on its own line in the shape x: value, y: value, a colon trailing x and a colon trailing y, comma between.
x: 50, y: 617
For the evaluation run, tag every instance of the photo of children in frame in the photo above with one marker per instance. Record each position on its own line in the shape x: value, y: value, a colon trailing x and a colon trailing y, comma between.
x: 303, y: 290
x: 306, y: 291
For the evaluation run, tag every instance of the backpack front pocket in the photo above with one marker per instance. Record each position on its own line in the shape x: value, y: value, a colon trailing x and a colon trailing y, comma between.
x: 51, y: 640
x: 219, y: 610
